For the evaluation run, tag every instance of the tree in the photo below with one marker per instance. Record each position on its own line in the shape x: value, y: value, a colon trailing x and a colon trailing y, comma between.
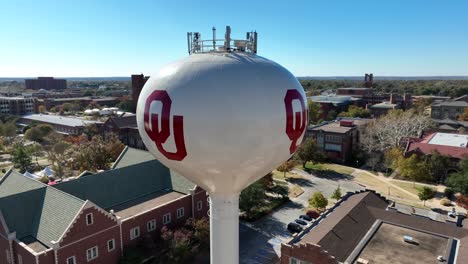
x: 42, y: 109
x: 202, y: 232
x: 425, y: 193
x: 462, y: 201
x: 96, y: 154
x: 314, y: 111
x: 459, y: 181
x: 21, y: 159
x: 309, y: 151
x: 57, y: 156
x: 464, y: 116
x: 287, y: 166
x: 179, y: 244
x: 91, y: 131
x: 337, y: 193
x: 318, y: 201
x: 438, y: 165
x: 251, y: 197
x: 414, y: 168
x: 356, y: 111
x: 393, y: 157
x: 8, y: 129
x: 38, y: 133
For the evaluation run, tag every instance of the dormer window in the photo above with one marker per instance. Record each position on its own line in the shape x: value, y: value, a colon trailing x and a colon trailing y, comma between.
x: 89, y: 219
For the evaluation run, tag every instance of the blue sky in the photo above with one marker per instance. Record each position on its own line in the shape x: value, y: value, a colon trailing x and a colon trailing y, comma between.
x: 314, y: 38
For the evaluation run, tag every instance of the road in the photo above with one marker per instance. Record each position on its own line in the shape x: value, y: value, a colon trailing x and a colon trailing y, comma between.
x: 260, y: 241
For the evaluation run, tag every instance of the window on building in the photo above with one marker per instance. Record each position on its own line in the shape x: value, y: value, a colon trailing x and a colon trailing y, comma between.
x: 20, y: 259
x: 151, y: 225
x: 167, y: 218
x: 89, y: 219
x: 180, y: 212
x: 134, y: 232
x: 333, y: 147
x: 92, y: 253
x: 71, y: 260
x: 199, y: 205
x: 111, y: 245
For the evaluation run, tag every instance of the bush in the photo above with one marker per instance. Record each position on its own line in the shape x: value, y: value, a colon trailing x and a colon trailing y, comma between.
x: 445, y: 202
x: 449, y: 192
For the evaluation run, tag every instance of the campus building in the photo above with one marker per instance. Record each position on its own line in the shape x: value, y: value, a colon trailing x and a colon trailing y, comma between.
x: 95, y: 217
x: 338, y: 138
x: 363, y: 227
x: 46, y: 83
x: 18, y: 105
x: 125, y: 127
x: 61, y: 124
x: 138, y: 81
x: 449, y: 109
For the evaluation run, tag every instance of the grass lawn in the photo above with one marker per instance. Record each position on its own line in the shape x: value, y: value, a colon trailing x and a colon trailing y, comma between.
x: 381, y: 187
x: 327, y: 166
x: 278, y: 175
x: 408, y: 186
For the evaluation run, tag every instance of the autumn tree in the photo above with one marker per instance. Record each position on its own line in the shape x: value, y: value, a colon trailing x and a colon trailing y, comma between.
x: 309, y: 152
x: 287, y: 166
x: 96, y: 154
x: 38, y: 133
x: 414, y: 168
x: 464, y: 116
x: 425, y: 193
x: 393, y: 157
x: 462, y: 201
x: 42, y: 109
x: 57, y: 155
x: 318, y: 201
x: 179, y: 244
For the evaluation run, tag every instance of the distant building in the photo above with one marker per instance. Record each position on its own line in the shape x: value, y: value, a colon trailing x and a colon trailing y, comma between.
x: 451, y: 126
x: 448, y: 109
x: 94, y: 218
x: 61, y: 124
x: 454, y: 146
x: 363, y: 227
x: 332, y: 102
x: 338, y: 138
x: 46, y: 83
x: 18, y: 105
x: 82, y: 101
x: 138, y: 81
x: 382, y: 108
x: 125, y: 127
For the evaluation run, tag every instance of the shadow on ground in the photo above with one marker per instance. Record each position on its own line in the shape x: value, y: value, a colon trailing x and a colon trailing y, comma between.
x: 329, y: 174
x: 301, y: 182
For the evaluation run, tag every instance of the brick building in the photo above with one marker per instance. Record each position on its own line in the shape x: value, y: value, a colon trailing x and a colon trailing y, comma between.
x: 125, y: 127
x: 448, y: 109
x: 18, y: 105
x: 46, y: 83
x: 138, y: 81
x: 338, y: 138
x: 363, y: 227
x: 82, y: 101
x: 94, y: 218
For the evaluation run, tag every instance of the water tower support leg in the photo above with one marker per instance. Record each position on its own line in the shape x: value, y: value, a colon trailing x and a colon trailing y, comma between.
x: 224, y: 229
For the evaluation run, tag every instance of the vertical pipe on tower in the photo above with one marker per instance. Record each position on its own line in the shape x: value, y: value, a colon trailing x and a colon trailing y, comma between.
x: 224, y: 229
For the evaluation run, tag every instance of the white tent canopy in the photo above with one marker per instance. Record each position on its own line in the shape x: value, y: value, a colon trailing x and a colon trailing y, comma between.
x: 31, y: 176
x: 46, y: 172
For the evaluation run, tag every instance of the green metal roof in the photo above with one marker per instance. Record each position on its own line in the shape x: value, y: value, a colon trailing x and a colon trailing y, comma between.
x: 31, y: 208
x: 131, y: 156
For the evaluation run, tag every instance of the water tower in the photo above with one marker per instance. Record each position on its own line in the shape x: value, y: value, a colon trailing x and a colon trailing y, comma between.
x: 223, y: 117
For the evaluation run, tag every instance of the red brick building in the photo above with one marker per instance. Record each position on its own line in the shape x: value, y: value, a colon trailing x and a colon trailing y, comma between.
x: 338, y: 138
x: 94, y: 218
x: 138, y: 81
x: 125, y: 127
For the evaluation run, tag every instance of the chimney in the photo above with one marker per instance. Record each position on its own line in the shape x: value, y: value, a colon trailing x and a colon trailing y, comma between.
x: 366, y: 77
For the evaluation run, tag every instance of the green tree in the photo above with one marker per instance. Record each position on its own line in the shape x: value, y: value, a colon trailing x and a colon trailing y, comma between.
x: 414, y: 168
x: 314, y: 111
x: 438, y: 165
x: 459, y: 181
x: 337, y: 193
x: 252, y: 197
x: 9, y: 130
x: 202, y: 232
x: 318, y: 201
x: 425, y: 193
x: 21, y: 158
x: 356, y: 111
x: 393, y: 157
x: 38, y: 133
x: 309, y: 152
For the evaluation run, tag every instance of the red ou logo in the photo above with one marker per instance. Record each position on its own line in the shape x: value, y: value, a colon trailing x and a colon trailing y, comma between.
x: 160, y: 136
x: 295, y: 129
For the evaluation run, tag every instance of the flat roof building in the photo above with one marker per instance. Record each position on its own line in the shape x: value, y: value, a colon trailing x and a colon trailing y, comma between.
x: 46, y: 83
x: 18, y: 105
x: 61, y: 124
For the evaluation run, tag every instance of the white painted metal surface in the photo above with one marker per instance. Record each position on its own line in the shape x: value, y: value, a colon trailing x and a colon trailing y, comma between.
x: 220, y: 119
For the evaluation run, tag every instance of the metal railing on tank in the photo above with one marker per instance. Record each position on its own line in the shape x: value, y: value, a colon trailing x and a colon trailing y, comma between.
x: 197, y: 45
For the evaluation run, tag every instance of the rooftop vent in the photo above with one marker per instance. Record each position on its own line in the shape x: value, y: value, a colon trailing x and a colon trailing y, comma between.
x: 346, y: 123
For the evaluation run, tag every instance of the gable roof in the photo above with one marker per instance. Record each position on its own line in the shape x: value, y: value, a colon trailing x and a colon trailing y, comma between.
x: 427, y: 149
x: 124, y: 121
x: 45, y: 213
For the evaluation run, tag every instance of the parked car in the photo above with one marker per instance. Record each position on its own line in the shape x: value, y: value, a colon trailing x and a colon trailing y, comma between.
x: 313, y: 214
x: 294, y: 227
x: 301, y: 222
x: 306, y: 217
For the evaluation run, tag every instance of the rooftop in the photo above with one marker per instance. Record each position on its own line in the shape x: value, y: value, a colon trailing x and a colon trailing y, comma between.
x: 59, y: 120
x: 385, y: 105
x: 447, y: 139
x: 335, y: 127
x: 452, y: 103
x: 387, y: 246
x: 335, y: 99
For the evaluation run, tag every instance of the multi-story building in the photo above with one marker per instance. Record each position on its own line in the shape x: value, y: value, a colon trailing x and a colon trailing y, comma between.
x: 94, y: 218
x: 138, y: 81
x: 61, y: 124
x: 18, y: 105
x: 364, y: 227
x: 448, y: 109
x: 125, y: 127
x: 47, y: 83
x: 338, y: 138
x: 82, y: 101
